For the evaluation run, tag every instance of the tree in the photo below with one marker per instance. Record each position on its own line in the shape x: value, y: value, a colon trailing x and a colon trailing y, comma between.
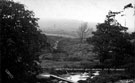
x: 111, y: 42
x: 133, y: 40
x: 20, y: 42
x: 83, y: 32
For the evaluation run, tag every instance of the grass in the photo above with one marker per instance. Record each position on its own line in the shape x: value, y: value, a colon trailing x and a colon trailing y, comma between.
x: 66, y: 64
x: 58, y: 64
x: 73, y: 55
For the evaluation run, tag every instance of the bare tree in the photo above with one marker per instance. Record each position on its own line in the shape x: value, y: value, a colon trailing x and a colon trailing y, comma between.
x: 84, y: 31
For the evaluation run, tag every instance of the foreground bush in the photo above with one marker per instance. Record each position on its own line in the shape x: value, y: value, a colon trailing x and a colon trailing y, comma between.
x: 105, y: 78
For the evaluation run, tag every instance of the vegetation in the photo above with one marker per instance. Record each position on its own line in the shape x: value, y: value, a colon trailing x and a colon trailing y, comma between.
x: 83, y: 32
x: 69, y: 54
x: 107, y: 78
x: 25, y: 50
x: 113, y: 46
x: 20, y: 42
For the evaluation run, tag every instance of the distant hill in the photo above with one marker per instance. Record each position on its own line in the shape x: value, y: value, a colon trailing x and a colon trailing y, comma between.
x: 62, y: 27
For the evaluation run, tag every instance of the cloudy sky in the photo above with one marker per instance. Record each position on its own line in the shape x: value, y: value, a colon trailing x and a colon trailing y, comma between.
x: 83, y: 10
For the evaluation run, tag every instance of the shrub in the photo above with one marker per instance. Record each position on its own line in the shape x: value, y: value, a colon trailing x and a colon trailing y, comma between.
x: 104, y: 78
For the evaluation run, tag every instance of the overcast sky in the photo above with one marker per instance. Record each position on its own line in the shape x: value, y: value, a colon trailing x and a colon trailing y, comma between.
x: 83, y: 10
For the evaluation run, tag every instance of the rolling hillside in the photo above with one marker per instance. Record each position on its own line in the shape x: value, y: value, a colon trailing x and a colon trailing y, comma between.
x: 68, y: 54
x: 62, y: 27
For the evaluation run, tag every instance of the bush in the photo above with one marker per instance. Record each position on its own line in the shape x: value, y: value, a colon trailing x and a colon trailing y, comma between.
x: 72, y: 58
x: 104, y: 78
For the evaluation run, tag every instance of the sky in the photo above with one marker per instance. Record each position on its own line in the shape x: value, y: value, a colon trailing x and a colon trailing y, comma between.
x: 83, y: 10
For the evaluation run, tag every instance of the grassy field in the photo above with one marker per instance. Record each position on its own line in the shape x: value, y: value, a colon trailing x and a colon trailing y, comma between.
x: 71, y: 53
x: 67, y: 64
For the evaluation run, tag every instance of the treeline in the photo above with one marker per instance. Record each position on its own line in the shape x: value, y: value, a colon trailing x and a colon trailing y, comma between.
x: 21, y: 42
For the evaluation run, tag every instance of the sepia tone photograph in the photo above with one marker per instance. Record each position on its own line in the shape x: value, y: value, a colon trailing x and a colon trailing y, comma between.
x: 67, y: 41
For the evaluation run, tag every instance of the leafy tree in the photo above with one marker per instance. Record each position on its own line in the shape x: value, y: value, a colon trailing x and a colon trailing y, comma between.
x: 130, y: 66
x: 111, y: 42
x: 20, y: 42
